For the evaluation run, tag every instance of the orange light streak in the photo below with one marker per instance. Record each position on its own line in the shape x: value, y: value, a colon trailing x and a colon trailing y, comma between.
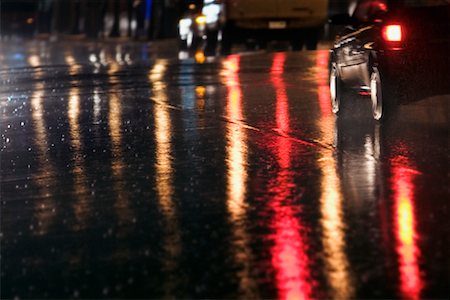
x: 323, y: 88
x: 237, y: 176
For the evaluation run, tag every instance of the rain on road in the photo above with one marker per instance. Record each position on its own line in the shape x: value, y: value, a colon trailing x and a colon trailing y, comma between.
x: 129, y: 173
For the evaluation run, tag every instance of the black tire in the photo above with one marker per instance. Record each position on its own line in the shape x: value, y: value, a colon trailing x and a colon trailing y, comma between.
x: 311, y: 38
x: 227, y: 39
x: 196, y: 43
x: 384, y: 95
x: 211, y: 43
x: 297, y: 43
x: 311, y: 43
x: 337, y: 90
x: 182, y: 45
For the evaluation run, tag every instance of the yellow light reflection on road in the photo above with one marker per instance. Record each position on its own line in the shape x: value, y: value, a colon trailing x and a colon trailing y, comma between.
x: 164, y: 176
x: 337, y: 266
x: 122, y: 205
x: 34, y: 60
x: 71, y: 62
x: 236, y: 161
x: 82, y: 204
x: 200, y: 94
x: 45, y: 207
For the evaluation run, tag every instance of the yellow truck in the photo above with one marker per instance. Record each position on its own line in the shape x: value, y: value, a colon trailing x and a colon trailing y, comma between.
x: 229, y: 21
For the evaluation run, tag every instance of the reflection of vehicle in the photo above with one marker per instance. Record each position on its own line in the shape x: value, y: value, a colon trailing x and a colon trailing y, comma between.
x: 191, y: 28
x: 298, y: 21
x: 385, y: 45
x: 18, y: 17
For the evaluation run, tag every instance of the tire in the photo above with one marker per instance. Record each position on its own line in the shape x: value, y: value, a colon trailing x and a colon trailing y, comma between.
x: 297, y: 43
x: 227, y: 39
x: 211, y: 43
x: 336, y: 91
x: 182, y: 44
x: 311, y: 43
x: 195, y: 44
x: 383, y: 95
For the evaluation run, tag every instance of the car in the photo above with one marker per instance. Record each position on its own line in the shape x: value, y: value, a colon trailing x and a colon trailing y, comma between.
x: 191, y: 28
x: 231, y: 21
x: 18, y: 17
x: 386, y: 48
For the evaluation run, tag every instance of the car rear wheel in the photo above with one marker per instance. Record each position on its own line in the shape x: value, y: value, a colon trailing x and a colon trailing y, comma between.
x: 211, y: 42
x: 336, y: 90
x: 376, y: 94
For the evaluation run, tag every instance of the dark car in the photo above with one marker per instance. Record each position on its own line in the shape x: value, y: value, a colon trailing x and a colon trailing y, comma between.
x: 386, y: 48
x: 18, y: 17
x: 191, y: 27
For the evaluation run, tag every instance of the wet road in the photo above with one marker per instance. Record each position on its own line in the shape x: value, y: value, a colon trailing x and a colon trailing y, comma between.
x: 128, y: 173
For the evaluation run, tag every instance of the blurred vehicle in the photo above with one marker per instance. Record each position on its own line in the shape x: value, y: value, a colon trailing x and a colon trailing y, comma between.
x: 191, y: 28
x: 230, y: 21
x: 18, y: 17
x: 386, y: 47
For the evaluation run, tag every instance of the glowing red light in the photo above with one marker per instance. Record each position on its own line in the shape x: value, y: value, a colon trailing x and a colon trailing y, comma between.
x: 393, y: 33
x: 289, y: 253
x: 408, y: 252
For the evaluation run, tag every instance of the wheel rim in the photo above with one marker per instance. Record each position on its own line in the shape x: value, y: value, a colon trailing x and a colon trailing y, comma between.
x: 376, y: 94
x: 334, y: 90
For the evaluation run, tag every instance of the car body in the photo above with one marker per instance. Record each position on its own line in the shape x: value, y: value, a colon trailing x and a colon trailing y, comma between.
x: 230, y: 21
x: 18, y: 17
x: 191, y: 28
x: 386, y: 46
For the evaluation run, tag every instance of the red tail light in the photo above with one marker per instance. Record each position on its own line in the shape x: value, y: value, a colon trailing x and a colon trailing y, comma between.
x: 392, y: 33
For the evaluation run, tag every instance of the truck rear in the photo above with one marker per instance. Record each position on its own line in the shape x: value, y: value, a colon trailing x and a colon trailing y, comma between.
x: 298, y: 21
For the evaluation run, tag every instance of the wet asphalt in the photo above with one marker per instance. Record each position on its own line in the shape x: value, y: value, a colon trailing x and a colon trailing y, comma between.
x: 129, y: 171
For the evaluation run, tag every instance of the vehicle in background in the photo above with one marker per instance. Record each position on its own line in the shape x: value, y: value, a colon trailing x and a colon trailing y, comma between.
x: 191, y: 28
x: 229, y: 21
x: 387, y: 48
x: 18, y: 17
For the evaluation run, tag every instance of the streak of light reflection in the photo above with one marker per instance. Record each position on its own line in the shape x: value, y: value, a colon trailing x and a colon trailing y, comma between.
x: 411, y: 282
x: 337, y: 266
x: 164, y: 175
x: 74, y: 68
x: 237, y: 176
x: 44, y: 179
x: 82, y: 204
x: 289, y: 252
x: 122, y: 204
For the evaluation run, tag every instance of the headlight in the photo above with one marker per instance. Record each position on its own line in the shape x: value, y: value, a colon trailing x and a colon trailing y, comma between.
x: 200, y: 20
x: 184, y: 26
x: 185, y: 23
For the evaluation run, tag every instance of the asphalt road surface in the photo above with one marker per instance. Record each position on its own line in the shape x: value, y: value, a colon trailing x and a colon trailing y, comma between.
x: 127, y: 172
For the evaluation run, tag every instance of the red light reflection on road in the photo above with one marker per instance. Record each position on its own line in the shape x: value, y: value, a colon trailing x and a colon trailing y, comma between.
x: 405, y: 225
x: 289, y: 257
x: 282, y: 109
x: 323, y: 89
